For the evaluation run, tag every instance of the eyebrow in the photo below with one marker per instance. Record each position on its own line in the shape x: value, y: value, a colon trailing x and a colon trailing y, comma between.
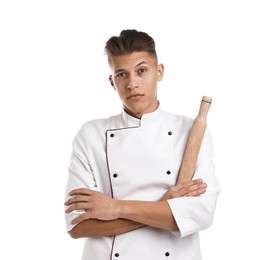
x: 142, y: 62
x: 139, y: 64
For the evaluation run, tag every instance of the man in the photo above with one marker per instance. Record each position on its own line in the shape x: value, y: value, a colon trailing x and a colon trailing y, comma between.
x: 121, y: 191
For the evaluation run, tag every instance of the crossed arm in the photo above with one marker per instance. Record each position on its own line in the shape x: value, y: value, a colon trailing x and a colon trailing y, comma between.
x: 105, y: 216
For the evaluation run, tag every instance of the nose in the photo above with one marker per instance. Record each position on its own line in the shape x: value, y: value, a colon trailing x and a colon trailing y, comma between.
x: 133, y: 83
x: 129, y: 86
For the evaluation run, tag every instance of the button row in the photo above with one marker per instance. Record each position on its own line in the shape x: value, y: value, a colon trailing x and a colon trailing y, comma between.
x: 169, y: 133
x: 117, y: 254
x: 115, y: 175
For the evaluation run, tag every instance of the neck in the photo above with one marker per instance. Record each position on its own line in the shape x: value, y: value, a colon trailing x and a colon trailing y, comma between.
x: 140, y: 114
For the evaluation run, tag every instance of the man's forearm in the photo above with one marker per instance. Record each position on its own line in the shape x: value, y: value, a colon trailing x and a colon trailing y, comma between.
x: 99, y: 228
x: 156, y: 214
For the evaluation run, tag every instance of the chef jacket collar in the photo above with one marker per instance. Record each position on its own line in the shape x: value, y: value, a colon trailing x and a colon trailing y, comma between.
x: 147, y: 119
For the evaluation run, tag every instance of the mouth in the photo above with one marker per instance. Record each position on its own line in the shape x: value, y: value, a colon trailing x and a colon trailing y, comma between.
x: 135, y: 96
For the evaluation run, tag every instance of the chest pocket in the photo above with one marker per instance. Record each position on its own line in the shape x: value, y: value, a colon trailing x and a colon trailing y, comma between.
x: 140, y: 162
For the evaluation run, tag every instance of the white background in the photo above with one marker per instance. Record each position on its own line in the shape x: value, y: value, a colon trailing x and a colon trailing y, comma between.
x: 53, y: 78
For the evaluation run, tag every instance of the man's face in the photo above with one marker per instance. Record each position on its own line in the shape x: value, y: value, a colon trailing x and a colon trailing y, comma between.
x: 135, y: 77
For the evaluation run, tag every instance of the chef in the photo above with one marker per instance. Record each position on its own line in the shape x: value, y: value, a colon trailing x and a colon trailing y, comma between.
x: 121, y: 193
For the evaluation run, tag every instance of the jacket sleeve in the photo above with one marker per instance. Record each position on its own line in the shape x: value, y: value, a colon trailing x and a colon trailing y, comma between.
x: 193, y: 214
x: 80, y: 172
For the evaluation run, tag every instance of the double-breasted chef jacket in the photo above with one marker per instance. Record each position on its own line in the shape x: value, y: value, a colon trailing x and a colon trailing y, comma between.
x: 138, y: 159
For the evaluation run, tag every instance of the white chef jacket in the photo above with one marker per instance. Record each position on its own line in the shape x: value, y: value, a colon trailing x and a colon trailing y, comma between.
x: 139, y: 159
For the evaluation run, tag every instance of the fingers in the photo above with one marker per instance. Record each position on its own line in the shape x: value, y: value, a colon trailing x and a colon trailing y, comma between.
x: 196, y: 193
x: 80, y: 218
x: 188, y: 189
x: 77, y: 199
x: 81, y: 191
x: 192, y: 188
x: 79, y: 195
x: 77, y: 206
x: 190, y: 183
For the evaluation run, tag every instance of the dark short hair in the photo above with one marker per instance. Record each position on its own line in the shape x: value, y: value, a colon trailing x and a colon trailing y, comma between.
x: 129, y: 41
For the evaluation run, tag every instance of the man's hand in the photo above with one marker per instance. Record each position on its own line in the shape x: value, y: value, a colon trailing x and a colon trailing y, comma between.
x: 192, y: 188
x: 96, y: 204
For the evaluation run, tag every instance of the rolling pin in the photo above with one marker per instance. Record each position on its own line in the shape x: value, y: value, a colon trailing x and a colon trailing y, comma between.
x: 194, y: 141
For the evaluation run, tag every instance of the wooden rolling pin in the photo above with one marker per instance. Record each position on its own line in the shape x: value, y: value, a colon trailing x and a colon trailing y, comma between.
x: 195, y: 138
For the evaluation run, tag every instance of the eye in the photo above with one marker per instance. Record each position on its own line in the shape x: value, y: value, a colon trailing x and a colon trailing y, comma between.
x: 121, y: 75
x: 142, y: 70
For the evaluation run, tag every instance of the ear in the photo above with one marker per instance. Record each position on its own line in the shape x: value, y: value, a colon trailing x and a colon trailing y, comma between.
x: 111, y: 82
x: 160, y: 71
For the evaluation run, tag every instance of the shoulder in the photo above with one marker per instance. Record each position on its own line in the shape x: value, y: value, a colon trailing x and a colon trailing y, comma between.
x: 178, y: 119
x: 99, y: 124
x: 93, y: 131
x: 183, y: 125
